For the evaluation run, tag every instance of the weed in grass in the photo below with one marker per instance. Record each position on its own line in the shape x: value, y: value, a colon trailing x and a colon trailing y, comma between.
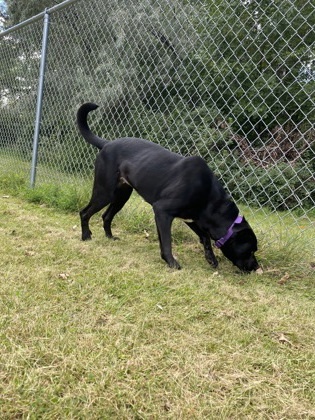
x: 67, y: 198
x: 12, y: 182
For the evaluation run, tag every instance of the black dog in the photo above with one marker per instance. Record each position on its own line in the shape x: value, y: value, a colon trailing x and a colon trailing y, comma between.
x: 175, y: 186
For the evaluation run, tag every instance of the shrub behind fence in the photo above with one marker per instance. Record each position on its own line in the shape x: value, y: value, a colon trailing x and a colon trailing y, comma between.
x: 232, y: 81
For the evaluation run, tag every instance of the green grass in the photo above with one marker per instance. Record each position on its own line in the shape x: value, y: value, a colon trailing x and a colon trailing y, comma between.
x: 105, y: 329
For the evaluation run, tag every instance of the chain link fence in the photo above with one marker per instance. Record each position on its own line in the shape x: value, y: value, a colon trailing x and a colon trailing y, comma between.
x: 232, y: 81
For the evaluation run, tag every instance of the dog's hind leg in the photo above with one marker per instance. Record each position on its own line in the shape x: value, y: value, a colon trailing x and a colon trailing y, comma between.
x: 100, y: 199
x: 205, y: 241
x: 103, y: 192
x: 163, y: 223
x: 121, y: 196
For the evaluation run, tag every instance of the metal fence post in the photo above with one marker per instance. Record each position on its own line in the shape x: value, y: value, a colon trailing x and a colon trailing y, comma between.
x: 39, y: 97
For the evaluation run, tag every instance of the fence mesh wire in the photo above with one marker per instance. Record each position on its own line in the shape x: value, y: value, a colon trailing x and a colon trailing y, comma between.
x: 232, y: 81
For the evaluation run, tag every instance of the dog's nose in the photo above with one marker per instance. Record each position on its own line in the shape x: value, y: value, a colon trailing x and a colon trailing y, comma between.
x: 253, y: 265
x: 249, y: 265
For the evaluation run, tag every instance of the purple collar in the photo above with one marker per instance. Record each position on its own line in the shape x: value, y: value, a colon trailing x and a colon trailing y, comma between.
x: 220, y: 242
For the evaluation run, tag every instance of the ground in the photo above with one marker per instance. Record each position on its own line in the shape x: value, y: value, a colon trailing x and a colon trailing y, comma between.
x: 105, y: 329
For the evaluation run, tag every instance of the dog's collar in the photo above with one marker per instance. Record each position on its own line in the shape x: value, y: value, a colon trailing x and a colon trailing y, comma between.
x: 220, y: 242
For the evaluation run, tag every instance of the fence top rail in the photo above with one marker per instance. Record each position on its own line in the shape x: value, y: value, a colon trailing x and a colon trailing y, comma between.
x: 37, y: 17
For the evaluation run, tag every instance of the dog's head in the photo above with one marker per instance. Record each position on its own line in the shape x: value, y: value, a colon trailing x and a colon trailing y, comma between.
x: 240, y: 248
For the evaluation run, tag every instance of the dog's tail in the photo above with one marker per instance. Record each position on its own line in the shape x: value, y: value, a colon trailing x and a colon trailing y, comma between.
x: 84, y: 127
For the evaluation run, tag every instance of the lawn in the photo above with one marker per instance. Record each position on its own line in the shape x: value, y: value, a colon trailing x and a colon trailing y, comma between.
x: 105, y: 330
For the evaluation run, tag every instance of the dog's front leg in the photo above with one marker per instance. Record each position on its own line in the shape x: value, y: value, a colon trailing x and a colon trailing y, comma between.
x: 205, y: 241
x: 210, y: 257
x: 163, y: 224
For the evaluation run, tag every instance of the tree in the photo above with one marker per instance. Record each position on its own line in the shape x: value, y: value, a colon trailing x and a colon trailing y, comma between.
x: 3, y: 14
x: 20, y: 10
x: 253, y: 63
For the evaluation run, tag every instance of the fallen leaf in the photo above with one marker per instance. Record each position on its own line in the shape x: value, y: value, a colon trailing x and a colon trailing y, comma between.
x: 102, y: 320
x: 283, y: 339
x: 284, y: 279
x: 167, y: 406
x: 29, y: 253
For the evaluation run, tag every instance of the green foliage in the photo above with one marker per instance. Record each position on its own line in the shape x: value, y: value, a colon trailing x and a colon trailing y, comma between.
x: 21, y: 10
x: 277, y: 187
x: 252, y: 70
x: 66, y: 197
x: 16, y: 130
x: 12, y: 182
x: 70, y: 195
x: 181, y: 129
x: 67, y: 154
x: 188, y: 81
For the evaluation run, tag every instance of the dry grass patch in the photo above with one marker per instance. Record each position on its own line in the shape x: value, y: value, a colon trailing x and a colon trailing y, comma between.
x: 105, y: 330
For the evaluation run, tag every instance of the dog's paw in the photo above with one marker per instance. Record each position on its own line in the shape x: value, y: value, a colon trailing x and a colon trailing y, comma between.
x: 171, y: 262
x: 213, y: 262
x: 174, y: 265
x: 86, y: 237
x: 113, y: 238
x: 210, y: 257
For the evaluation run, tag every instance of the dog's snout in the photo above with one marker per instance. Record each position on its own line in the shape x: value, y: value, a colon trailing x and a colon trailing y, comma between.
x: 251, y: 264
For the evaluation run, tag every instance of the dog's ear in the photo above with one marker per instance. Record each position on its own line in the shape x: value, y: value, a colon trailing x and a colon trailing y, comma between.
x: 247, y: 236
x: 245, y: 231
